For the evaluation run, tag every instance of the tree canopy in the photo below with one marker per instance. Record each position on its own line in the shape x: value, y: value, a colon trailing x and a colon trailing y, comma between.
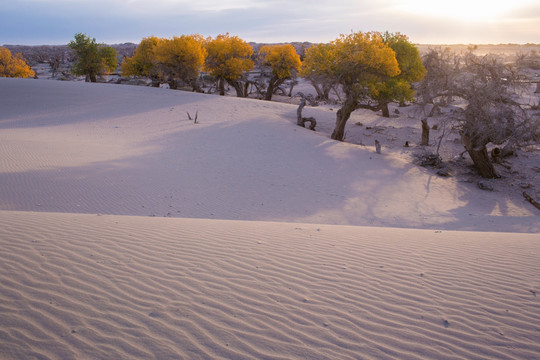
x: 228, y: 58
x: 92, y: 59
x: 13, y: 66
x: 284, y: 63
x: 319, y: 69
x: 360, y: 61
x: 398, y: 88
x: 180, y: 60
x: 142, y: 63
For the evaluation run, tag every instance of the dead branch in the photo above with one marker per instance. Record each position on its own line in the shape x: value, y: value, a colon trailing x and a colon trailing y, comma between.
x: 196, y: 116
x: 534, y: 203
x: 301, y: 121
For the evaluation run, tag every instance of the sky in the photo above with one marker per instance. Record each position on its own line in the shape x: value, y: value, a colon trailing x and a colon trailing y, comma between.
x: 55, y: 22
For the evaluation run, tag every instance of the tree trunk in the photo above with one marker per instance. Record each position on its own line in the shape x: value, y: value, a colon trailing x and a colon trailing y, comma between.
x: 318, y: 90
x: 237, y: 85
x: 246, y: 88
x: 425, y: 133
x: 385, y: 110
x: 291, y: 88
x: 221, y: 87
x: 480, y: 157
x: 271, y: 87
x: 91, y: 78
x: 342, y: 116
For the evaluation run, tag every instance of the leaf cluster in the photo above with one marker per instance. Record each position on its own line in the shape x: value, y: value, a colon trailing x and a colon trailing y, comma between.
x: 357, y: 61
x: 228, y: 57
x: 282, y: 59
x: 13, y: 66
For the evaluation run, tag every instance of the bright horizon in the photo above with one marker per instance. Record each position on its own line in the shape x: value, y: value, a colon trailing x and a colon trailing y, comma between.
x: 55, y: 22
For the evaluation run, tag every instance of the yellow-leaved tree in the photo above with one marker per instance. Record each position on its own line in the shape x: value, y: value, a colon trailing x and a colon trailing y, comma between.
x: 228, y: 59
x: 359, y: 61
x: 179, y: 60
x: 319, y: 69
x: 13, y: 66
x: 284, y: 62
x: 143, y: 62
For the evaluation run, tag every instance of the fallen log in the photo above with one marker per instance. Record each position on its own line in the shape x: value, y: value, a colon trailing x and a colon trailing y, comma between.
x: 534, y: 203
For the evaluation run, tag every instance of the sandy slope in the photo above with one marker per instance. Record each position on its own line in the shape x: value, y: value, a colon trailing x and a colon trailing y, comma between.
x: 95, y: 148
x: 287, y: 284
x: 80, y: 286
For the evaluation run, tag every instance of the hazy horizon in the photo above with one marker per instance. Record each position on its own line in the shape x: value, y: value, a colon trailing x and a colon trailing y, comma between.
x: 461, y: 22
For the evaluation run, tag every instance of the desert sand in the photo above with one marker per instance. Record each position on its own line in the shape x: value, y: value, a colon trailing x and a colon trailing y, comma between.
x: 130, y: 232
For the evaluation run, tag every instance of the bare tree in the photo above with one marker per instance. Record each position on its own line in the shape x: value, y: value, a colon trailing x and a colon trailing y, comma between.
x: 491, y: 114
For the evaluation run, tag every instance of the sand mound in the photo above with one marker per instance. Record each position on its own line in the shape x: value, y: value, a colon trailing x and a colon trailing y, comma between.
x: 80, y: 286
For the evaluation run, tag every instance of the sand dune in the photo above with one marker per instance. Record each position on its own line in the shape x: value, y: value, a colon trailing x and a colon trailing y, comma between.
x: 125, y: 150
x: 84, y: 286
x: 129, y: 232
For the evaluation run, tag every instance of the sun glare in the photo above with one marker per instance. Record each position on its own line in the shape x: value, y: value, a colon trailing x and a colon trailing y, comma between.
x: 465, y: 10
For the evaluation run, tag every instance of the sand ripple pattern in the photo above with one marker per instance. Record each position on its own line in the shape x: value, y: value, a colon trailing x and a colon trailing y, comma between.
x: 79, y: 286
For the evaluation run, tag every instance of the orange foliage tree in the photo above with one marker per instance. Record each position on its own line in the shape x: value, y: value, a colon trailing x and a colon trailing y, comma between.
x: 284, y: 62
x: 228, y: 58
x: 358, y: 61
x: 13, y: 66
x: 180, y: 60
x: 143, y: 62
x: 318, y: 69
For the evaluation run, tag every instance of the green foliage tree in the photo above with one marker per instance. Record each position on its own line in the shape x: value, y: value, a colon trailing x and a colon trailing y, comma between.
x: 180, y: 60
x: 360, y: 61
x: 284, y: 62
x: 143, y: 62
x: 92, y: 59
x: 398, y: 88
x: 13, y: 66
x: 228, y: 59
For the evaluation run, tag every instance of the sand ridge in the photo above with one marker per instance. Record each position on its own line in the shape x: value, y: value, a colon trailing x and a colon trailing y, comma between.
x: 87, y: 286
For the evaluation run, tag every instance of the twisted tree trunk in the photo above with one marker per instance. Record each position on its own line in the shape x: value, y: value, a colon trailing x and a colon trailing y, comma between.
x: 301, y: 121
x: 342, y: 116
x: 480, y: 157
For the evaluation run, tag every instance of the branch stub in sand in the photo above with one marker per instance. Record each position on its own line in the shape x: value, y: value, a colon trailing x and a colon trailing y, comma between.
x: 301, y: 121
